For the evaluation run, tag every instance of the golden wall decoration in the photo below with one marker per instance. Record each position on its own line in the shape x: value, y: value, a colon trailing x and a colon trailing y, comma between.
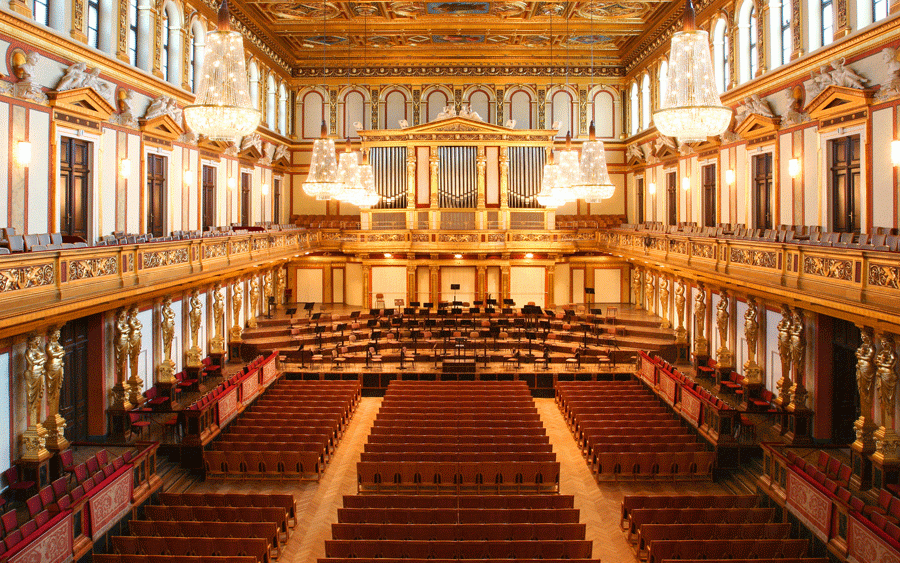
x: 760, y: 258
x: 828, y: 267
x: 12, y: 279
x: 164, y: 258
x: 93, y: 268
x: 215, y: 250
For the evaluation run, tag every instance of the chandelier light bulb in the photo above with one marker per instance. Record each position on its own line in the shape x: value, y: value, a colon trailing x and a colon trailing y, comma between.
x: 595, y: 183
x: 686, y: 183
x: 322, y: 182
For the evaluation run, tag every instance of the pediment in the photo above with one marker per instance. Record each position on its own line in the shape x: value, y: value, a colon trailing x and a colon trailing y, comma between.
x: 711, y: 143
x: 161, y: 127
x: 835, y: 101
x: 252, y: 152
x: 84, y: 103
x: 755, y: 126
x: 633, y: 160
x: 210, y: 145
x: 283, y: 159
x: 456, y: 126
x: 665, y: 151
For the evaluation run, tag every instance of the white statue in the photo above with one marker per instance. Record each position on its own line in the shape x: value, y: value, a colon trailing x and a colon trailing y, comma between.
x: 447, y: 113
x: 510, y: 124
x: 634, y: 152
x: 26, y: 88
x: 358, y: 126
x: 891, y: 86
x: 843, y: 76
x: 74, y: 77
x: 403, y: 123
x: 468, y: 113
x: 280, y: 153
x: 251, y: 140
x: 164, y: 105
x: 557, y: 125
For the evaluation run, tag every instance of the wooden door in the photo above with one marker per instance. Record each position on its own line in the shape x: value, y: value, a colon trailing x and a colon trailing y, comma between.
x: 75, y: 185
x: 73, y: 397
x: 708, y: 174
x: 671, y: 198
x: 844, y: 181
x: 208, y: 193
x: 245, y: 199
x: 156, y: 194
x: 762, y: 187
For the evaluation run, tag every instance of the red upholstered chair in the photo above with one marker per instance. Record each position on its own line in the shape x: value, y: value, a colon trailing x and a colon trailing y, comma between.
x: 14, y: 483
x: 137, y: 422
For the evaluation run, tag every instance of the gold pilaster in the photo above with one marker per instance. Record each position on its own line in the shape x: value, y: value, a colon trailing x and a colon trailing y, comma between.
x: 701, y: 344
x: 217, y: 342
x: 724, y: 356
x: 54, y: 424
x: 680, y: 331
x: 194, y: 354
x: 434, y: 283
x: 865, y: 381
x: 886, y: 439
x: 551, y: 277
x: 636, y: 288
x: 136, y: 383
x: 79, y: 24
x: 412, y: 290
x: 156, y: 45
x: 237, y: 301
x: 799, y: 393
x: 165, y: 372
x: 481, y: 164
x: 434, y: 164
x: 784, y: 384
x: 254, y: 301
x: 664, y: 302
x: 752, y: 371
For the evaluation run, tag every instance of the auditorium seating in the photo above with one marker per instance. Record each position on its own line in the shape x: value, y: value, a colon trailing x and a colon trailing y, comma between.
x: 627, y: 433
x: 140, y: 558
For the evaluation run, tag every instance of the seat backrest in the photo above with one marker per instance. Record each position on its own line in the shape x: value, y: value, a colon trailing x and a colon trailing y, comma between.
x: 44, y: 238
x: 30, y: 242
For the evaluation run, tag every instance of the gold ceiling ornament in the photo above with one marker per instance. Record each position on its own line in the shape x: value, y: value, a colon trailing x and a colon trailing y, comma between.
x: 305, y: 10
x: 222, y: 109
x: 691, y: 109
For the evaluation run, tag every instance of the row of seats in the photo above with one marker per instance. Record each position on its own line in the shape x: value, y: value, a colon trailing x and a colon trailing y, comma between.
x: 345, y: 222
x: 473, y: 549
x: 139, y: 558
x: 589, y: 221
x: 12, y: 243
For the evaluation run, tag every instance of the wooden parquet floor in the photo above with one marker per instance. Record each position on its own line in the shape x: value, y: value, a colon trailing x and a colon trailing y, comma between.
x: 317, y: 503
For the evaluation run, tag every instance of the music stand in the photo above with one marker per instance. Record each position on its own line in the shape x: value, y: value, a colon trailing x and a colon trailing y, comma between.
x: 454, y: 287
x: 316, y: 317
x: 509, y: 303
x: 375, y: 313
x: 491, y: 302
x: 409, y: 311
x: 589, y: 293
x: 598, y: 312
x: 354, y: 314
x: 474, y: 310
x: 308, y: 307
x: 291, y: 311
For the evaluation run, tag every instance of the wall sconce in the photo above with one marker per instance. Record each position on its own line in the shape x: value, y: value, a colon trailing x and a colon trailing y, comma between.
x: 794, y: 167
x: 457, y: 256
x: 125, y: 168
x: 729, y: 177
x: 529, y: 255
x: 188, y: 177
x: 651, y: 188
x: 895, y: 152
x: 232, y: 183
x: 23, y: 153
x: 686, y: 183
x: 265, y: 188
x: 387, y: 255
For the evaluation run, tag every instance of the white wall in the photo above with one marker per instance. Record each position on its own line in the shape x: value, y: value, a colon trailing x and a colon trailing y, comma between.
x: 561, y: 284
x: 462, y: 275
x: 391, y: 281
x: 353, y: 274
x: 309, y: 285
x: 527, y: 283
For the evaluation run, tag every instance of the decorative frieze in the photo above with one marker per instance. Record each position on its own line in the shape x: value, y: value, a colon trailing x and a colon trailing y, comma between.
x: 215, y: 250
x: 758, y: 258
x: 12, y: 279
x: 161, y: 258
x: 93, y: 268
x: 833, y: 268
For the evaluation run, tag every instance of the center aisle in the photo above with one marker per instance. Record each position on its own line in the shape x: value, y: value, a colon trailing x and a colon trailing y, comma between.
x: 601, y: 505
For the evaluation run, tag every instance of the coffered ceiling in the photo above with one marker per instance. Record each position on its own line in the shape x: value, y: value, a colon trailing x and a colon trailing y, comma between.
x: 505, y: 33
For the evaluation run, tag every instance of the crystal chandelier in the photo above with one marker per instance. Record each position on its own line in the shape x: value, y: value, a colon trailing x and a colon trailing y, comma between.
x: 595, y: 183
x: 369, y: 197
x: 549, y: 196
x: 322, y: 182
x: 568, y: 173
x: 222, y: 109
x: 691, y: 109
x: 347, y: 173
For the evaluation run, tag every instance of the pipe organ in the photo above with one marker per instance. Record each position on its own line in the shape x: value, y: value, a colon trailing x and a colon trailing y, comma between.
x: 456, y: 173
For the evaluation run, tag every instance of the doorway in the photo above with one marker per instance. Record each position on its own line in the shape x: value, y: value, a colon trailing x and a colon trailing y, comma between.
x: 75, y: 184
x: 73, y: 396
x: 156, y: 194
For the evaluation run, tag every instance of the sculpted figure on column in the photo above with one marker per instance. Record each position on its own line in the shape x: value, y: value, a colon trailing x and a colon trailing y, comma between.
x: 34, y: 437
x: 664, y: 302
x: 680, y: 332
x: 134, y: 351
x: 752, y: 371
x: 53, y: 374
x: 724, y: 357
x: 282, y: 283
x: 784, y: 352
x: 237, y: 300
x: 648, y: 292
x: 165, y: 373
x: 254, y: 301
x: 886, y: 438
x: 701, y: 344
x: 122, y: 345
x: 193, y: 355
x: 865, y: 382
x: 798, y: 358
x: 217, y: 342
x: 636, y: 287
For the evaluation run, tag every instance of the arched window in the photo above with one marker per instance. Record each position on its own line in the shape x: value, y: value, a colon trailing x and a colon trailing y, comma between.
x: 171, y: 47
x: 746, y: 41
x: 663, y: 82
x: 41, y: 11
x: 604, y: 114
x: 645, y: 101
x: 521, y: 108
x: 271, y: 103
x: 93, y: 23
x: 437, y: 100
x: 164, y: 49
x: 720, y: 55
x: 313, y: 114
x: 254, y: 84
x: 198, y: 49
x: 282, y: 110
x: 132, y: 31
x: 786, y: 36
x: 880, y: 9
x: 561, y: 111
x: 635, y: 109
x: 753, y: 50
x: 827, y: 22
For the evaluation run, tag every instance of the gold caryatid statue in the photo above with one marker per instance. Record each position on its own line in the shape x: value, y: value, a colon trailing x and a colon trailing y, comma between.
x: 648, y: 292
x: 680, y: 332
x: 886, y: 438
x: 34, y: 437
x: 799, y: 393
x: 165, y: 373
x: 636, y: 288
x: 724, y: 357
x: 237, y: 299
x: 217, y: 342
x: 664, y: 302
x: 254, y: 301
x: 752, y: 371
x: 193, y: 355
x: 701, y: 344
x: 281, y: 285
x: 122, y: 351
x: 865, y: 383
x: 135, y: 345
x: 784, y: 353
x: 53, y: 374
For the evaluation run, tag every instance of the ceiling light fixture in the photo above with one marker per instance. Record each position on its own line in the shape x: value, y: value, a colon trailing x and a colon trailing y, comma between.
x: 23, y: 153
x: 595, y: 182
x: 691, y: 109
x: 222, y: 109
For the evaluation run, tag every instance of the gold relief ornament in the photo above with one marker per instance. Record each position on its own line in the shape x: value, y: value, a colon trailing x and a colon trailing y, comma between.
x: 193, y: 355
x: 752, y: 371
x: 664, y: 302
x: 701, y: 344
x: 217, y: 342
x: 886, y: 385
x: 680, y: 331
x: 724, y: 357
x: 784, y: 353
x: 34, y: 437
x: 636, y: 288
x: 165, y: 373
x: 282, y: 284
x: 799, y: 393
x: 254, y: 301
x: 136, y: 383
x: 237, y: 299
x: 122, y: 349
x: 53, y: 374
x: 865, y: 381
x: 648, y: 292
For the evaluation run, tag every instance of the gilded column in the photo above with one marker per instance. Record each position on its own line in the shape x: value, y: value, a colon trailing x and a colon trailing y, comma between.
x: 434, y: 164
x: 504, y: 179
x: 21, y: 7
x: 886, y: 439
x: 79, y: 24
x: 156, y: 46
x: 55, y: 425
x: 254, y: 301
x: 35, y: 436
x: 752, y: 371
x: 649, y: 292
x: 327, y: 283
x: 135, y: 345
x: 121, y: 30
x: 841, y: 20
x: 481, y: 164
x: 434, y: 283
x: 194, y: 353
x: 664, y: 302
x: 411, y: 179
x: 865, y: 381
x: 796, y: 30
x: 680, y: 331
x: 798, y: 361
x: 762, y: 25
x: 636, y: 287
x: 504, y: 282
x: 412, y: 290
x: 122, y: 349
x: 724, y: 356
x: 270, y: 289
x: 784, y: 353
x: 186, y: 49
x: 237, y: 301
x: 367, y: 285
x: 281, y: 283
x: 165, y: 372
x: 551, y: 280
x: 701, y: 344
x: 217, y: 342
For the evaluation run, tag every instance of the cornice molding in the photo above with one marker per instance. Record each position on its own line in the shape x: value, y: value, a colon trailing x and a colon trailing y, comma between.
x: 602, y: 71
x: 256, y: 35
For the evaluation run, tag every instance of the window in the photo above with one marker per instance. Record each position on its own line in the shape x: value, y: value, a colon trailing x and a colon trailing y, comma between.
x: 786, y: 36
x: 639, y: 189
x: 720, y: 54
x: 93, y: 23
x: 132, y: 31
x: 645, y: 102
x: 276, y: 200
x: 254, y: 85
x: 762, y: 190
x: 708, y: 180
x: 843, y: 157
x: 246, y: 180
x: 271, y: 104
x: 827, y: 22
x: 879, y: 9
x: 635, y: 110
x: 672, y: 198
x: 164, y: 50
x: 751, y: 43
x: 41, y: 11
x: 726, y: 62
